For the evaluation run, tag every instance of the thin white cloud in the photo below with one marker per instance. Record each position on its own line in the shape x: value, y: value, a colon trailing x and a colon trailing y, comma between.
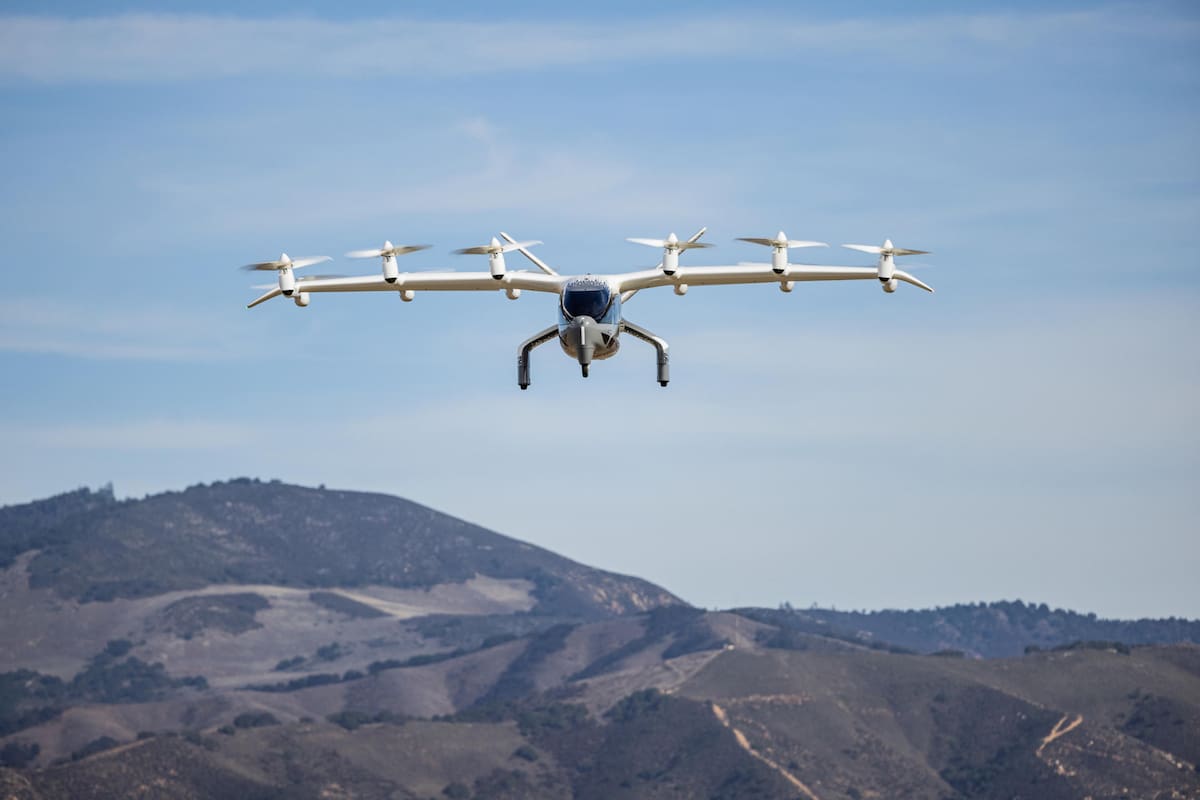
x: 494, y: 171
x: 53, y: 326
x: 157, y: 48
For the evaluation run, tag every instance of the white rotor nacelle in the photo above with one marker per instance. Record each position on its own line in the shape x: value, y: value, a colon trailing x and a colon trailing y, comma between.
x: 779, y: 247
x: 285, y: 265
x: 887, y: 263
x: 495, y: 251
x: 298, y: 295
x: 388, y: 253
x: 671, y: 247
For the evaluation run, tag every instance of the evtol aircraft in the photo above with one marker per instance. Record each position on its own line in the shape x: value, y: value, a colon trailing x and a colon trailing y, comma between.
x: 590, y: 319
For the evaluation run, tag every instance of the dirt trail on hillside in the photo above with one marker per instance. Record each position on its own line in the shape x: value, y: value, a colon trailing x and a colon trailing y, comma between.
x: 1061, y: 729
x: 721, y: 716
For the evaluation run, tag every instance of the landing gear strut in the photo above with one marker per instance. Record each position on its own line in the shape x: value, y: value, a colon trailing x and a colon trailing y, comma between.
x: 660, y: 344
x: 538, y: 339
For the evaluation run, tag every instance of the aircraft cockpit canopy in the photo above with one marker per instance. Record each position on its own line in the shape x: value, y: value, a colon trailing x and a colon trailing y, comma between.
x: 586, y: 301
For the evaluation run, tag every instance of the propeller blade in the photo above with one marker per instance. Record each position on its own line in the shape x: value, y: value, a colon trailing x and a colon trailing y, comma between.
x: 263, y: 266
x: 537, y: 262
x: 779, y: 242
x: 690, y: 244
x: 398, y: 250
x: 864, y: 248
x: 885, y: 251
x: 297, y: 263
x: 491, y: 249
x: 508, y: 248
x: 405, y: 249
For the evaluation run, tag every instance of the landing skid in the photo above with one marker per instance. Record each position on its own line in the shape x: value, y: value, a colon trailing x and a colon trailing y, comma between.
x: 537, y: 340
x: 660, y: 344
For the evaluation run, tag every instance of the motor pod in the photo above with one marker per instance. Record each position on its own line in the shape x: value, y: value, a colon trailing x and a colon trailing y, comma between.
x: 496, y: 263
x: 287, y: 281
x: 890, y: 285
x: 670, y: 262
x: 391, y: 271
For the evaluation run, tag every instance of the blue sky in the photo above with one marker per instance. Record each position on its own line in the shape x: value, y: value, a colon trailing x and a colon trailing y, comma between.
x: 1029, y: 431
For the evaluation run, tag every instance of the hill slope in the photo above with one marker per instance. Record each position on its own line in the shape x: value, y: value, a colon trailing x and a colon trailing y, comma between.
x: 989, y: 630
x: 261, y: 640
x: 93, y: 548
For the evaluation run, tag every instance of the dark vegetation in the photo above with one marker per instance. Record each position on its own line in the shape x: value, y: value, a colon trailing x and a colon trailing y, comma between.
x: 98, y: 745
x: 231, y: 613
x: 351, y: 719
x: 652, y: 744
x: 660, y: 623
x: 1165, y: 723
x: 469, y: 632
x: 245, y: 531
x: 28, y: 698
x: 422, y: 659
x: 517, y: 680
x: 254, y: 719
x: 986, y: 745
x: 305, y: 682
x: 344, y: 605
x: 17, y: 754
x: 40, y: 524
x: 333, y: 651
x: 990, y: 630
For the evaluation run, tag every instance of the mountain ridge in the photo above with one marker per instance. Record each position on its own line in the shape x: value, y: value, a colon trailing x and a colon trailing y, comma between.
x: 274, y: 641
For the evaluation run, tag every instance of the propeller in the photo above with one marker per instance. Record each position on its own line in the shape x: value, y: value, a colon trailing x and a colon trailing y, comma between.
x: 285, y: 262
x: 388, y: 252
x: 670, y: 243
x: 779, y: 247
x: 888, y: 274
x: 886, y: 251
x: 284, y: 266
x: 495, y: 251
x: 494, y: 248
x: 671, y: 247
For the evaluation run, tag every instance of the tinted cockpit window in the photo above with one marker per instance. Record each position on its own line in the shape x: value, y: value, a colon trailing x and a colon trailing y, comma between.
x: 586, y: 302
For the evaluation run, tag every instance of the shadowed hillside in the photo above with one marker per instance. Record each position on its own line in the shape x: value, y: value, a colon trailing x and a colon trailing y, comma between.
x: 93, y: 548
x: 259, y: 640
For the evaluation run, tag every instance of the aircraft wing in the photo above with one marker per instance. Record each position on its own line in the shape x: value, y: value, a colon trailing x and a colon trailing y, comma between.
x: 426, y: 282
x: 752, y: 273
